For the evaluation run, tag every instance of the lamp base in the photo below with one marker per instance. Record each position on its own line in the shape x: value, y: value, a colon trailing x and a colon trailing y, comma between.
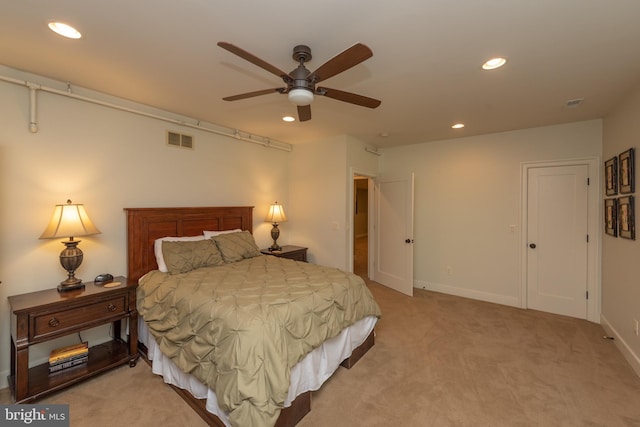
x: 71, y: 258
x: 275, y: 233
x: 62, y: 287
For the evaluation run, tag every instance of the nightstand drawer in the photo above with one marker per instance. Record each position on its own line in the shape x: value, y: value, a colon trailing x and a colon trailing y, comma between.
x: 296, y: 253
x: 53, y: 323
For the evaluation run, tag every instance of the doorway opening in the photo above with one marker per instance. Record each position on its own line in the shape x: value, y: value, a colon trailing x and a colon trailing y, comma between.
x: 361, y: 226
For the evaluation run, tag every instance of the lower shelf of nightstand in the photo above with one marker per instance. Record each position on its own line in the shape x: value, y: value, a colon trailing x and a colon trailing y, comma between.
x: 101, y: 358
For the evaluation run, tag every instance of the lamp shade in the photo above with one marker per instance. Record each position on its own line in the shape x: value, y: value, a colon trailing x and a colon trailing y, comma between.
x: 69, y: 220
x: 300, y: 97
x: 276, y: 214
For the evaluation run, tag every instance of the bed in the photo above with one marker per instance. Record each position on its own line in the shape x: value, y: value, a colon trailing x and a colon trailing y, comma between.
x: 311, y: 368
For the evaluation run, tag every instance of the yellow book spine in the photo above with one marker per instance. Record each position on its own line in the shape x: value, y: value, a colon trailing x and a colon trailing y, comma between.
x: 66, y: 352
x: 69, y: 347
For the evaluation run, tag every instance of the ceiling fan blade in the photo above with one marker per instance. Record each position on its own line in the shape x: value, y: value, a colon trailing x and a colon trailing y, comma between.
x: 254, y: 60
x: 304, y: 113
x: 341, y: 62
x: 349, y: 97
x: 252, y: 94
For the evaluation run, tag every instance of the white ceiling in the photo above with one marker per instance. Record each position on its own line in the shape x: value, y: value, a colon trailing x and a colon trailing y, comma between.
x: 425, y: 66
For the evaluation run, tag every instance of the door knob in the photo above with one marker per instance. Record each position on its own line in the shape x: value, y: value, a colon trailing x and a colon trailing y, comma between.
x: 532, y: 245
x: 408, y: 241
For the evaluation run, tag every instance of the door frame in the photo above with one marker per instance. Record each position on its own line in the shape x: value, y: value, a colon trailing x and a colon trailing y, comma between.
x: 371, y: 240
x: 594, y: 216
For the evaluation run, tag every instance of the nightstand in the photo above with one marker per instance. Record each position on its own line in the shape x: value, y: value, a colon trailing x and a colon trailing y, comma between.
x: 296, y: 253
x: 40, y: 316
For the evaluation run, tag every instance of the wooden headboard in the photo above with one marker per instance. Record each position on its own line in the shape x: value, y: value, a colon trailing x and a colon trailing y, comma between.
x: 145, y: 225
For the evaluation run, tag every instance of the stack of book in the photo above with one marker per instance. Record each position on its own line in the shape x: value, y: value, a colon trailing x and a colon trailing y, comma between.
x: 68, y: 357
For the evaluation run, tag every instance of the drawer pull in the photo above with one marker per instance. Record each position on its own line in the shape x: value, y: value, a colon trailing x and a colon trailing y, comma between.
x: 112, y: 308
x: 54, y: 322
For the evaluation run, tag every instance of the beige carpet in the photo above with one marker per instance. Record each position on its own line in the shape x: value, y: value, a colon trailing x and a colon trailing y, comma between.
x: 123, y: 397
x: 439, y: 360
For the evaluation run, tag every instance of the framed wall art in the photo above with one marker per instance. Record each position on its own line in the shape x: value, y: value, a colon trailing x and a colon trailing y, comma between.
x: 627, y: 172
x: 611, y: 217
x: 626, y: 218
x: 611, y: 176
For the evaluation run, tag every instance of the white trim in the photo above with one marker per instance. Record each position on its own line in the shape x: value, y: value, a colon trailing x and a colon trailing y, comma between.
x: 624, y: 348
x: 594, y: 214
x: 467, y: 293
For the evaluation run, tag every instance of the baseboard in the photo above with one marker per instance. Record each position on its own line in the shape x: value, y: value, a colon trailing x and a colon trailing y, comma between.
x: 620, y: 343
x: 467, y: 293
x: 4, y: 382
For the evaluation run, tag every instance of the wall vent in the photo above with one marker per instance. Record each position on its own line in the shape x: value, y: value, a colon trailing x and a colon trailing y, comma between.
x: 179, y: 140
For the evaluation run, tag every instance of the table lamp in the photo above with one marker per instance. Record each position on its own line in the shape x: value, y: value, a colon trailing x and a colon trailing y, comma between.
x: 70, y: 220
x: 276, y: 215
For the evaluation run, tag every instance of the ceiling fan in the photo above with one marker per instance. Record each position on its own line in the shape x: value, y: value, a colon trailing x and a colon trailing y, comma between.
x: 301, y: 83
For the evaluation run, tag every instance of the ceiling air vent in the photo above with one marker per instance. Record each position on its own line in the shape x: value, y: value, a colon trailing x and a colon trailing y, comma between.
x: 179, y: 140
x: 573, y: 103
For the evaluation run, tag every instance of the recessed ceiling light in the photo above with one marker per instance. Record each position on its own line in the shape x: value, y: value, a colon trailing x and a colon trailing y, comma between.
x: 494, y: 63
x: 383, y: 134
x: 289, y: 119
x: 64, y: 30
x: 457, y: 126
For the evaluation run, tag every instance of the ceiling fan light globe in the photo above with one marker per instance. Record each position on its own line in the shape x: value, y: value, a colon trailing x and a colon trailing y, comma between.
x: 300, y: 97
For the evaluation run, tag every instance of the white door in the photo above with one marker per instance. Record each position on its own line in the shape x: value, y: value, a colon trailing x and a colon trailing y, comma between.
x: 394, y: 233
x: 557, y: 239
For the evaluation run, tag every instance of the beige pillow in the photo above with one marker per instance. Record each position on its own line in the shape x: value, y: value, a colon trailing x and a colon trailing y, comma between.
x: 157, y: 249
x: 210, y: 234
x: 236, y: 246
x: 184, y: 256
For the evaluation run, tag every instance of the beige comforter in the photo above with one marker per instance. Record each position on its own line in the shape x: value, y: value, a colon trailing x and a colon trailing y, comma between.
x: 240, y: 327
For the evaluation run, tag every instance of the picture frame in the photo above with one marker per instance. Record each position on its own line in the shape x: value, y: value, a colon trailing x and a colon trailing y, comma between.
x: 611, y: 217
x: 626, y: 217
x: 611, y: 176
x: 627, y: 171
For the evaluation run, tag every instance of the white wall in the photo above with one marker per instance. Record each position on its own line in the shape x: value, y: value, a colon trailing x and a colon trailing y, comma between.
x: 467, y: 195
x: 620, y: 267
x: 321, y: 186
x: 109, y: 160
x: 318, y: 173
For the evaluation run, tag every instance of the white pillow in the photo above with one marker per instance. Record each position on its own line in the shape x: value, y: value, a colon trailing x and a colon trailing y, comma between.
x: 210, y: 234
x: 157, y: 248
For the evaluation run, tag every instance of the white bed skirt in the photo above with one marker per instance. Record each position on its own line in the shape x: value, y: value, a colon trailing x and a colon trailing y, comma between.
x: 308, y: 375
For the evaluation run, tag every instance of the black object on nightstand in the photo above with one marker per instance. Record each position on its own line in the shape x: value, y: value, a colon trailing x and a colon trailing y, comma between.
x: 44, y: 315
x: 296, y: 253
